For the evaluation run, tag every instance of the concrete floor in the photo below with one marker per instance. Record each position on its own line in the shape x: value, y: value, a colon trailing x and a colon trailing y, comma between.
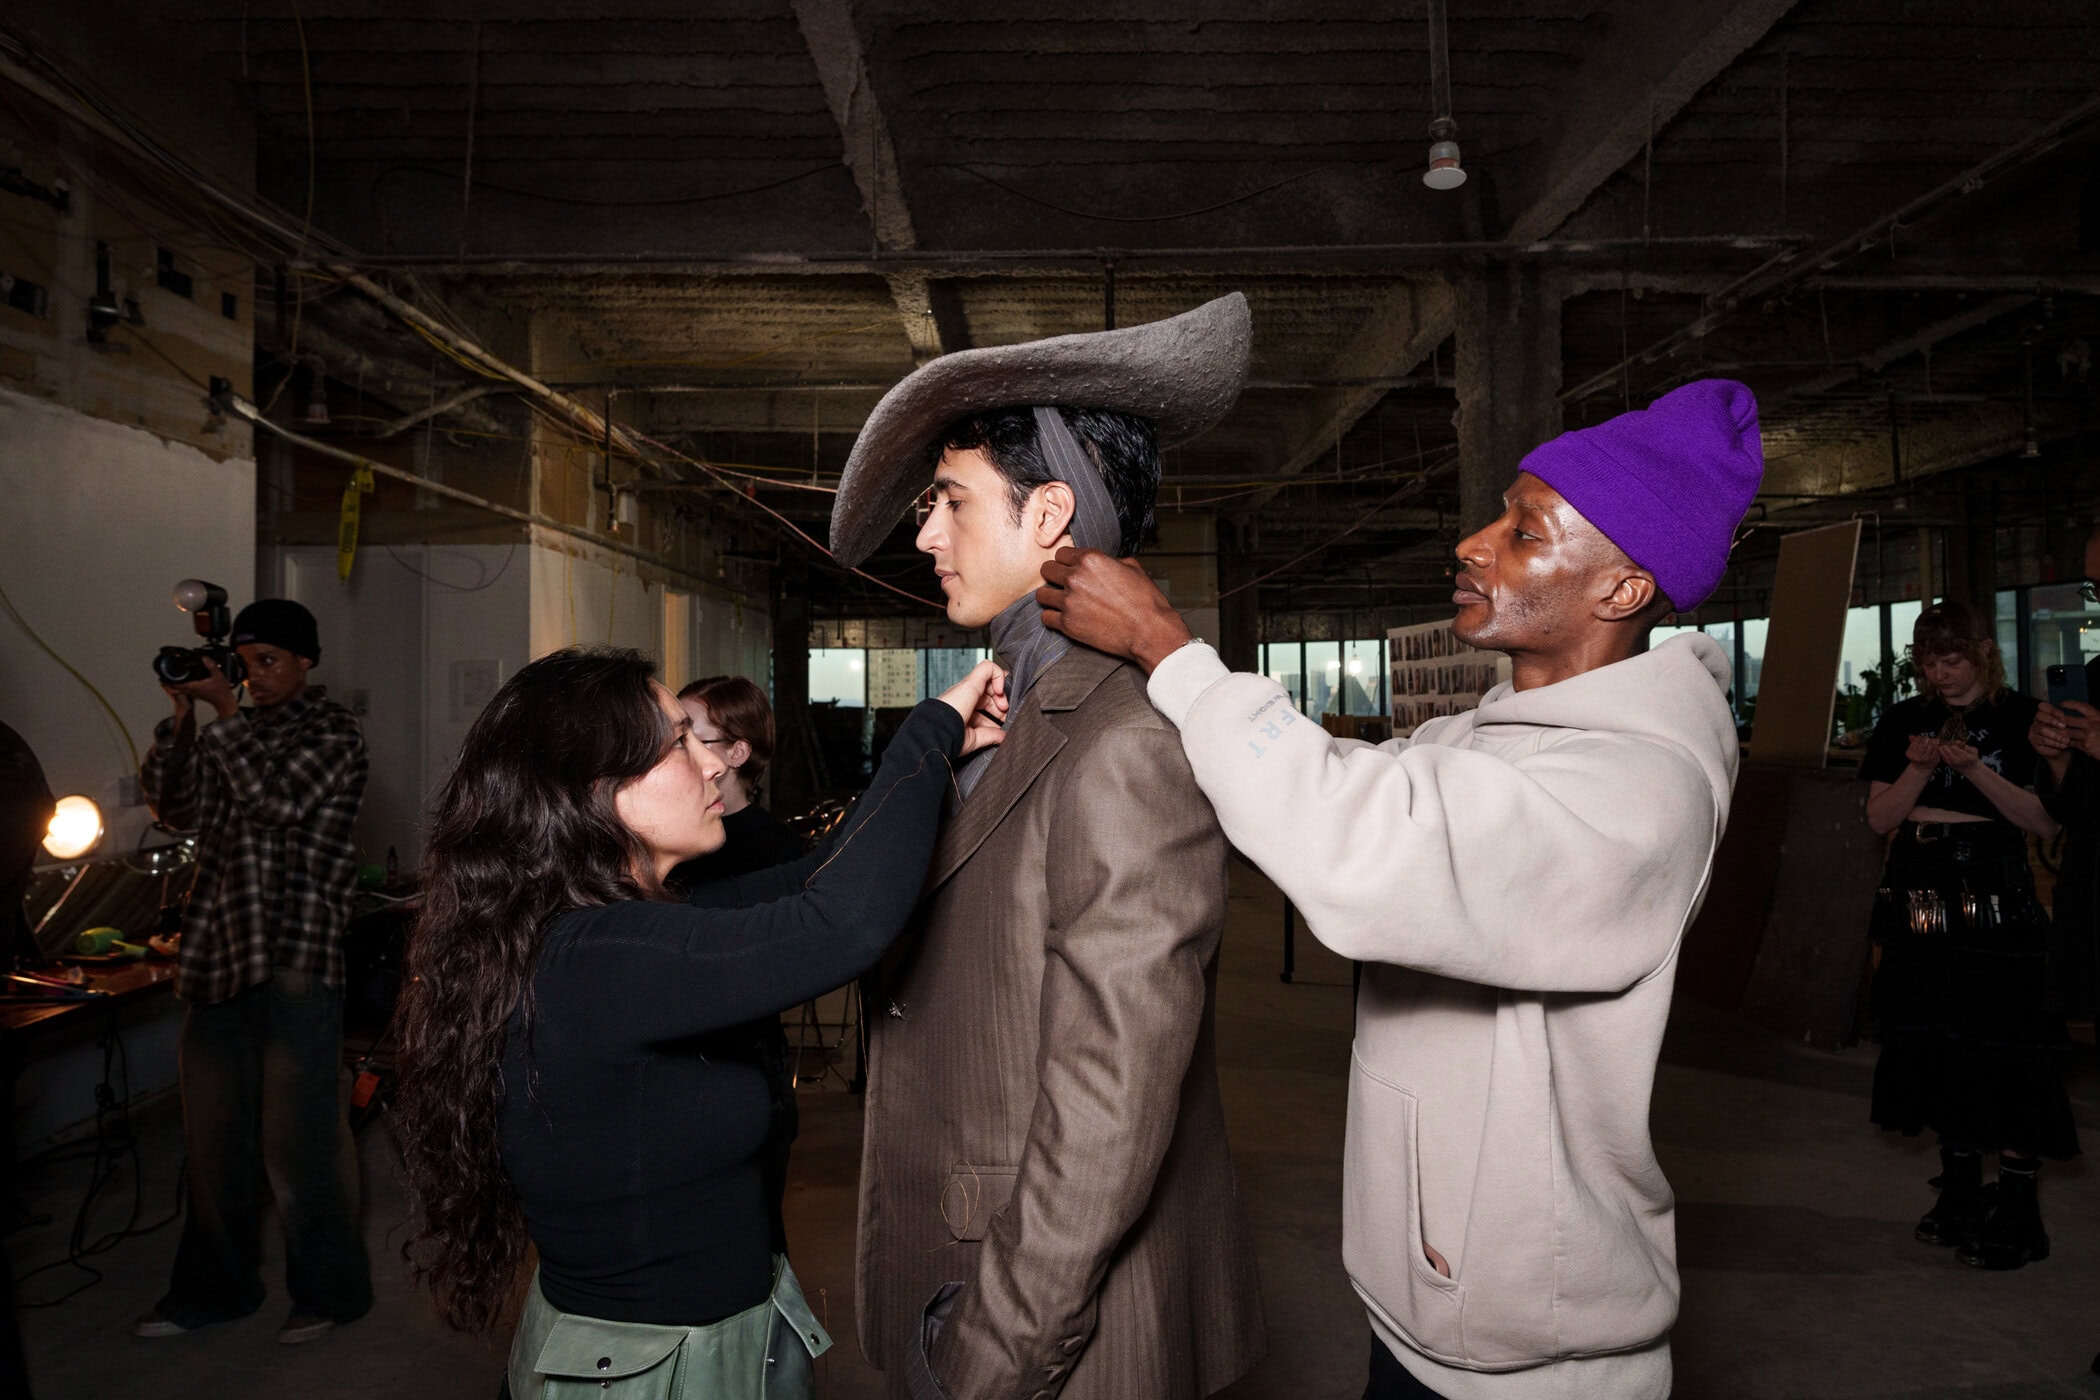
x: 1801, y: 1279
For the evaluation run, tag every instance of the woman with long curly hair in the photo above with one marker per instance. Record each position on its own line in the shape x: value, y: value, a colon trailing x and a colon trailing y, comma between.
x: 574, y: 1068
x: 1968, y: 1042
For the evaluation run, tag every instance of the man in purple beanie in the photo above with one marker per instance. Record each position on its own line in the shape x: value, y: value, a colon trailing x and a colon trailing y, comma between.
x: 1516, y: 882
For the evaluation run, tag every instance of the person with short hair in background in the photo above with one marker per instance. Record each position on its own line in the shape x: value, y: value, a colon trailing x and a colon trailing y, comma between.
x: 272, y: 792
x: 1969, y: 1043
x: 733, y: 721
x: 731, y: 716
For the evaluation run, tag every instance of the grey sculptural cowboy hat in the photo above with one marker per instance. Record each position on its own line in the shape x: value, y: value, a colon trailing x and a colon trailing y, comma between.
x: 1182, y: 373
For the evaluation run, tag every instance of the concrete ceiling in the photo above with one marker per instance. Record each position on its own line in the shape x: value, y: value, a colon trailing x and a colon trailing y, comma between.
x: 750, y: 221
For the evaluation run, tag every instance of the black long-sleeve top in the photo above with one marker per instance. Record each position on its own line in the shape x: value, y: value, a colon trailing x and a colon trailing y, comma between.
x: 635, y: 1115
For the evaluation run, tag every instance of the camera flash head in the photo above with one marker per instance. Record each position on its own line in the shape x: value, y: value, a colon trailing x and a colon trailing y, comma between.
x: 195, y: 595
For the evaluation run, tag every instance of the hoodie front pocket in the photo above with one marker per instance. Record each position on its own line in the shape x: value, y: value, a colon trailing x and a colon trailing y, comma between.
x: 1382, y: 1219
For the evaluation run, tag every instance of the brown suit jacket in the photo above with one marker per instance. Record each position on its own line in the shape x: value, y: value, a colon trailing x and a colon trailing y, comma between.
x: 1043, y: 1119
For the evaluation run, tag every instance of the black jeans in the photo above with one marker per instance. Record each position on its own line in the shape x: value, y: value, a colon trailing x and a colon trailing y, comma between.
x: 262, y: 1094
x: 1392, y: 1381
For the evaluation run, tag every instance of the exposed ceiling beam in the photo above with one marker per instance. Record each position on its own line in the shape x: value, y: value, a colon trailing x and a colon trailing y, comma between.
x: 1654, y: 58
x: 1407, y: 322
x: 1881, y: 357
x: 1693, y: 255
x: 931, y: 315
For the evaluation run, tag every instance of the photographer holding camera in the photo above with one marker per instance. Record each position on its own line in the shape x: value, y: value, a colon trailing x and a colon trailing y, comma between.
x: 272, y: 792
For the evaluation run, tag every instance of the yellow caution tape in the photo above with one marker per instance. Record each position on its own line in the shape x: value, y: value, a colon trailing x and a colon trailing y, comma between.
x: 353, y: 510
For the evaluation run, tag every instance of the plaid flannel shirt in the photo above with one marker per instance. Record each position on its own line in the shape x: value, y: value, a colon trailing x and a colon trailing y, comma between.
x: 272, y: 795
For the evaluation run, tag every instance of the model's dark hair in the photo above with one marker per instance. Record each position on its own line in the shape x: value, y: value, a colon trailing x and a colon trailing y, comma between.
x: 524, y: 830
x: 740, y: 710
x: 1122, y: 445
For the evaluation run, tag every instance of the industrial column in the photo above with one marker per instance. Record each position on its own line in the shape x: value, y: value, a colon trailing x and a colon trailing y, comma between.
x: 1508, y: 381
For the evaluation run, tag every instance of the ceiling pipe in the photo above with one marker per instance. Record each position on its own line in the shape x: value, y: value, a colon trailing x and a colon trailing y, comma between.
x: 1256, y: 259
x: 436, y: 410
x: 1787, y: 269
x: 242, y: 408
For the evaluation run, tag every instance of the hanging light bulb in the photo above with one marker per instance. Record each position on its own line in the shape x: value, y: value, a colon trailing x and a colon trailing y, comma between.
x: 75, y: 828
x: 1444, y: 172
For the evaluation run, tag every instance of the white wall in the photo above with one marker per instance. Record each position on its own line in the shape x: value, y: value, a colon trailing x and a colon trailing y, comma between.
x: 100, y: 522
x: 414, y: 641
x: 727, y: 639
x: 588, y: 597
x: 583, y: 596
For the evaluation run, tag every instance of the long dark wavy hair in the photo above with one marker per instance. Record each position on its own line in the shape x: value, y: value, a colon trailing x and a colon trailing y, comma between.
x: 524, y: 830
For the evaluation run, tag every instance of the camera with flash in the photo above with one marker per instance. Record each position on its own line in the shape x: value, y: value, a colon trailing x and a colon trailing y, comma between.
x: 206, y: 605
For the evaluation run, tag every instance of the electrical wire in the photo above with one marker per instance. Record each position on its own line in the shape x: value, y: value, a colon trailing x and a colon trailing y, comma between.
x: 100, y: 699
x: 306, y: 229
x: 793, y: 528
x: 487, y: 581
x: 115, y: 1141
x: 1406, y: 489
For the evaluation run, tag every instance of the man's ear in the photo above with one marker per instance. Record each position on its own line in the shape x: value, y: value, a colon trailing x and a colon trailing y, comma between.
x: 1050, y: 512
x: 739, y: 754
x: 1633, y: 595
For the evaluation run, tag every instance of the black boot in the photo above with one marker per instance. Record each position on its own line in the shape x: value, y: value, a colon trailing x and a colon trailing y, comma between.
x: 2013, y: 1234
x: 1959, y: 1211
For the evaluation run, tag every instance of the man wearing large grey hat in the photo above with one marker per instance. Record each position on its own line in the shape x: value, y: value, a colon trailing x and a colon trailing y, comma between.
x: 1048, y: 1207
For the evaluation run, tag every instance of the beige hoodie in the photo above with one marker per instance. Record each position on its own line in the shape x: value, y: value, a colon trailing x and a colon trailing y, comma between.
x: 1516, y: 881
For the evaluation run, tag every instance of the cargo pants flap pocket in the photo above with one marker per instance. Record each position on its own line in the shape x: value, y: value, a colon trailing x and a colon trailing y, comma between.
x: 794, y: 1308
x: 589, y: 1348
x: 972, y: 1195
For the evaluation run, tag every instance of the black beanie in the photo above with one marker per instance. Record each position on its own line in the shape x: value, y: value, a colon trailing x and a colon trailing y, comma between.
x: 278, y: 622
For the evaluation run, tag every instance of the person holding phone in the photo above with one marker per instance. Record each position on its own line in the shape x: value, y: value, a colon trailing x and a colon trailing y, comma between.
x: 2066, y: 733
x: 1968, y: 1041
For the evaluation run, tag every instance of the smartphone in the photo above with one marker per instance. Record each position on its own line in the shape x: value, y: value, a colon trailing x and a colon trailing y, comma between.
x: 2067, y: 683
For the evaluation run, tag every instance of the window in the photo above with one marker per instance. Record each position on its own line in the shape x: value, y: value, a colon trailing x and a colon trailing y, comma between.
x: 941, y: 668
x: 1862, y: 648
x: 1903, y: 620
x: 1754, y: 629
x: 838, y: 676
x: 1363, y: 677
x: 1284, y: 663
x: 1323, y: 677
x: 2062, y: 630
x: 2008, y: 633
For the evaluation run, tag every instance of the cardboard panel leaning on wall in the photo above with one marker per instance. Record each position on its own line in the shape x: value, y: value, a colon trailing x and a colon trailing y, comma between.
x: 102, y: 520
x: 1797, y: 688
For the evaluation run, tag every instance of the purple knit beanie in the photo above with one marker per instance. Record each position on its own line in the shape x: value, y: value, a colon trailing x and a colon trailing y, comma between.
x: 1667, y: 483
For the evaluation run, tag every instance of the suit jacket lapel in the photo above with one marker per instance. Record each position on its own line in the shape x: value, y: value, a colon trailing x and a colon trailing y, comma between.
x: 1032, y: 741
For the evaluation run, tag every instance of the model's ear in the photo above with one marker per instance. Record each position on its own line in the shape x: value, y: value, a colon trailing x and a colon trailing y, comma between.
x: 1633, y: 592
x: 739, y: 754
x: 1051, y: 507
